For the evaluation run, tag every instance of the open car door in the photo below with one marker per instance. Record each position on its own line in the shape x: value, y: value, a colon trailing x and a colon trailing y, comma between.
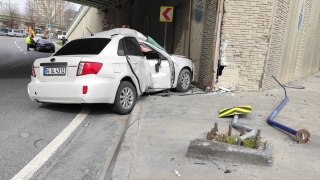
x: 160, y: 66
x: 137, y: 62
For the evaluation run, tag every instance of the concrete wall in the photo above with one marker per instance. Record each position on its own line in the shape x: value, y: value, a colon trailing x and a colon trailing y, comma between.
x: 294, y: 50
x: 261, y: 38
x: 92, y: 20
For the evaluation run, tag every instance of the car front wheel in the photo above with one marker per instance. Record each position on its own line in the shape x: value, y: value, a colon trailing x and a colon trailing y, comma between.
x: 125, y: 98
x: 184, y: 81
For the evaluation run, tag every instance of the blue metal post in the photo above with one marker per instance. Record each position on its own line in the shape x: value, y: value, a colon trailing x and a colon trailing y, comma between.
x: 275, y: 112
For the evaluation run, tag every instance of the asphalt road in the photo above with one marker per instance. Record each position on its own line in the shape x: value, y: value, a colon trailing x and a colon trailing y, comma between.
x: 27, y: 127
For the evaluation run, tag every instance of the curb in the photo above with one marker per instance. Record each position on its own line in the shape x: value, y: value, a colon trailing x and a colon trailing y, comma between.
x: 213, y: 150
x: 121, y: 162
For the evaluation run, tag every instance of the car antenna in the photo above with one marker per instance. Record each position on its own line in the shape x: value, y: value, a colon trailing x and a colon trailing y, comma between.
x: 89, y: 31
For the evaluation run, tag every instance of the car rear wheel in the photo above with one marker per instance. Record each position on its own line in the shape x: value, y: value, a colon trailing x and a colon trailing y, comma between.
x: 184, y: 81
x: 125, y: 98
x: 38, y: 48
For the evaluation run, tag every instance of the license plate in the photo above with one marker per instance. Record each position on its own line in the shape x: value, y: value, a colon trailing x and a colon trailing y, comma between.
x: 48, y: 47
x: 54, y: 71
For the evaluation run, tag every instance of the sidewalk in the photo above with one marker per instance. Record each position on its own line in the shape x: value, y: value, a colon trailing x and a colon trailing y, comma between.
x: 161, y: 128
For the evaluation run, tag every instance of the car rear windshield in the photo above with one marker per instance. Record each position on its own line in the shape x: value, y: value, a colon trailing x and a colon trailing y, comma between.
x: 84, y: 46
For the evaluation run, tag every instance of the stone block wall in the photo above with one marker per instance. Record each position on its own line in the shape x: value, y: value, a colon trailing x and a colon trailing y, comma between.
x: 245, y: 37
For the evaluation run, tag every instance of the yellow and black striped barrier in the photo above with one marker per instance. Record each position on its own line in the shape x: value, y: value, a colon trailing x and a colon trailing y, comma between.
x: 235, y: 110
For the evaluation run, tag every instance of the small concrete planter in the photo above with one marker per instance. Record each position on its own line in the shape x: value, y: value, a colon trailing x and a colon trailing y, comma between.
x: 214, y: 150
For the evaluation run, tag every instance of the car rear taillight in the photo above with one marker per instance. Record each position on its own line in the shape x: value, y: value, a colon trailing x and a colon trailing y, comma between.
x: 33, y: 73
x: 41, y: 43
x: 88, y: 68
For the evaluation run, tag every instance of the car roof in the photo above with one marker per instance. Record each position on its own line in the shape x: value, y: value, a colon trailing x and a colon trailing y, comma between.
x: 120, y: 31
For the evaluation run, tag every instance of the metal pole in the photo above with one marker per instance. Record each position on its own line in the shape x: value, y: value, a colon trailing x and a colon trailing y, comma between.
x: 49, y: 17
x: 165, y: 35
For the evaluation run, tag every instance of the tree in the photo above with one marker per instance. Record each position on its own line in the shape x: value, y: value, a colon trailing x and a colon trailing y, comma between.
x: 47, y: 10
x: 70, y: 11
x: 30, y: 13
x: 12, y: 10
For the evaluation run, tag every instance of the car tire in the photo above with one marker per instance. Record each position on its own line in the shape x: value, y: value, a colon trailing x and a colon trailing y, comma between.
x: 125, y: 98
x: 38, y: 49
x: 184, y: 81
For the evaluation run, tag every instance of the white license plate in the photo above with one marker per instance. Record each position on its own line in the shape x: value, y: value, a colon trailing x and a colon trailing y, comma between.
x: 54, y: 71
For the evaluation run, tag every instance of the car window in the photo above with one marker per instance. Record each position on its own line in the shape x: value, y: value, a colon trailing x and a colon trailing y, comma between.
x: 132, y: 47
x: 149, y: 49
x: 121, y: 48
x: 84, y: 46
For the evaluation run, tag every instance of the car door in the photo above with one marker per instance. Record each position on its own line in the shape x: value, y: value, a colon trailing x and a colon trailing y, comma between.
x: 137, y: 62
x: 161, y: 75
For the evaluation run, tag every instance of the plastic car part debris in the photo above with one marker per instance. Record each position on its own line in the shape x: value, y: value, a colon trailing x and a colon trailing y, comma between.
x: 177, y: 173
x: 302, y: 136
x: 293, y: 86
x: 224, y: 89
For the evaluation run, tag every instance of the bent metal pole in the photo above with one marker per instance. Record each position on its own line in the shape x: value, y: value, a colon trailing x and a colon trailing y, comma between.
x: 302, y: 136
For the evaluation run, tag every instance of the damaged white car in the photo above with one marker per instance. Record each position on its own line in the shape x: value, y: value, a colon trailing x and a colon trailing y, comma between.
x: 114, y: 67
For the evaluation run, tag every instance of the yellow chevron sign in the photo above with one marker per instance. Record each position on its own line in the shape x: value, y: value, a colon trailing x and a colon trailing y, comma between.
x: 235, y: 110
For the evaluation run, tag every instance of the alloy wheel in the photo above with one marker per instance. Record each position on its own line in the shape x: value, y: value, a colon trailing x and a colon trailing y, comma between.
x: 126, y: 98
x: 185, y: 80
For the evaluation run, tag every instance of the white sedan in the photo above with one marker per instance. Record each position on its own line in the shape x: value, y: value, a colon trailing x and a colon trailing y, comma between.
x: 114, y: 67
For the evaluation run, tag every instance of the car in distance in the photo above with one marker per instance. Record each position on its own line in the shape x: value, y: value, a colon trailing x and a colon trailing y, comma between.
x: 3, y: 32
x: 44, y: 44
x: 38, y: 36
x: 113, y: 67
x: 16, y: 33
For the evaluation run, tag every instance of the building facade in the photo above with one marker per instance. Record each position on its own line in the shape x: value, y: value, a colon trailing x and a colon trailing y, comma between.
x: 52, y: 10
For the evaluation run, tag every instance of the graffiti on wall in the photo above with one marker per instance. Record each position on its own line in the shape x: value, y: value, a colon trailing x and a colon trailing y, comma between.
x: 199, y: 10
x: 300, y: 17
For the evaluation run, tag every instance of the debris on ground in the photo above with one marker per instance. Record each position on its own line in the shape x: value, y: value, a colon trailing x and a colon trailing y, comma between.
x: 177, y: 173
x: 227, y: 171
x: 35, y: 142
x: 225, y: 89
x: 293, y: 86
x: 200, y: 163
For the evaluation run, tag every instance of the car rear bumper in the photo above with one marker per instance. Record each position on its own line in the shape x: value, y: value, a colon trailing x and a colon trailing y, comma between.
x: 100, y: 90
x: 44, y: 48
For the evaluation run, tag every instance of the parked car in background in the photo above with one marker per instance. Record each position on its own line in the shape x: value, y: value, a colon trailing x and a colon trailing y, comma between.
x: 114, y: 67
x: 3, y: 32
x: 44, y: 44
x: 16, y: 33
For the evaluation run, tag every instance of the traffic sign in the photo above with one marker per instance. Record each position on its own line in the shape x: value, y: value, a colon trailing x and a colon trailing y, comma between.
x: 125, y: 26
x: 49, y: 27
x: 166, y: 13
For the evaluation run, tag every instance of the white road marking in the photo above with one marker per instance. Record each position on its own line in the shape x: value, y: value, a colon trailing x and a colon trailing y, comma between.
x: 24, y: 52
x: 17, y: 65
x: 21, y: 50
x: 18, y: 46
x: 34, y: 165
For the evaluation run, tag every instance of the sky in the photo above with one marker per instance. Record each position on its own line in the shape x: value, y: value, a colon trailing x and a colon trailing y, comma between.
x: 22, y: 2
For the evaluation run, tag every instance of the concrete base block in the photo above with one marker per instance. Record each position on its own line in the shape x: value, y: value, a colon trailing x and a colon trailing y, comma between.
x: 214, y: 150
